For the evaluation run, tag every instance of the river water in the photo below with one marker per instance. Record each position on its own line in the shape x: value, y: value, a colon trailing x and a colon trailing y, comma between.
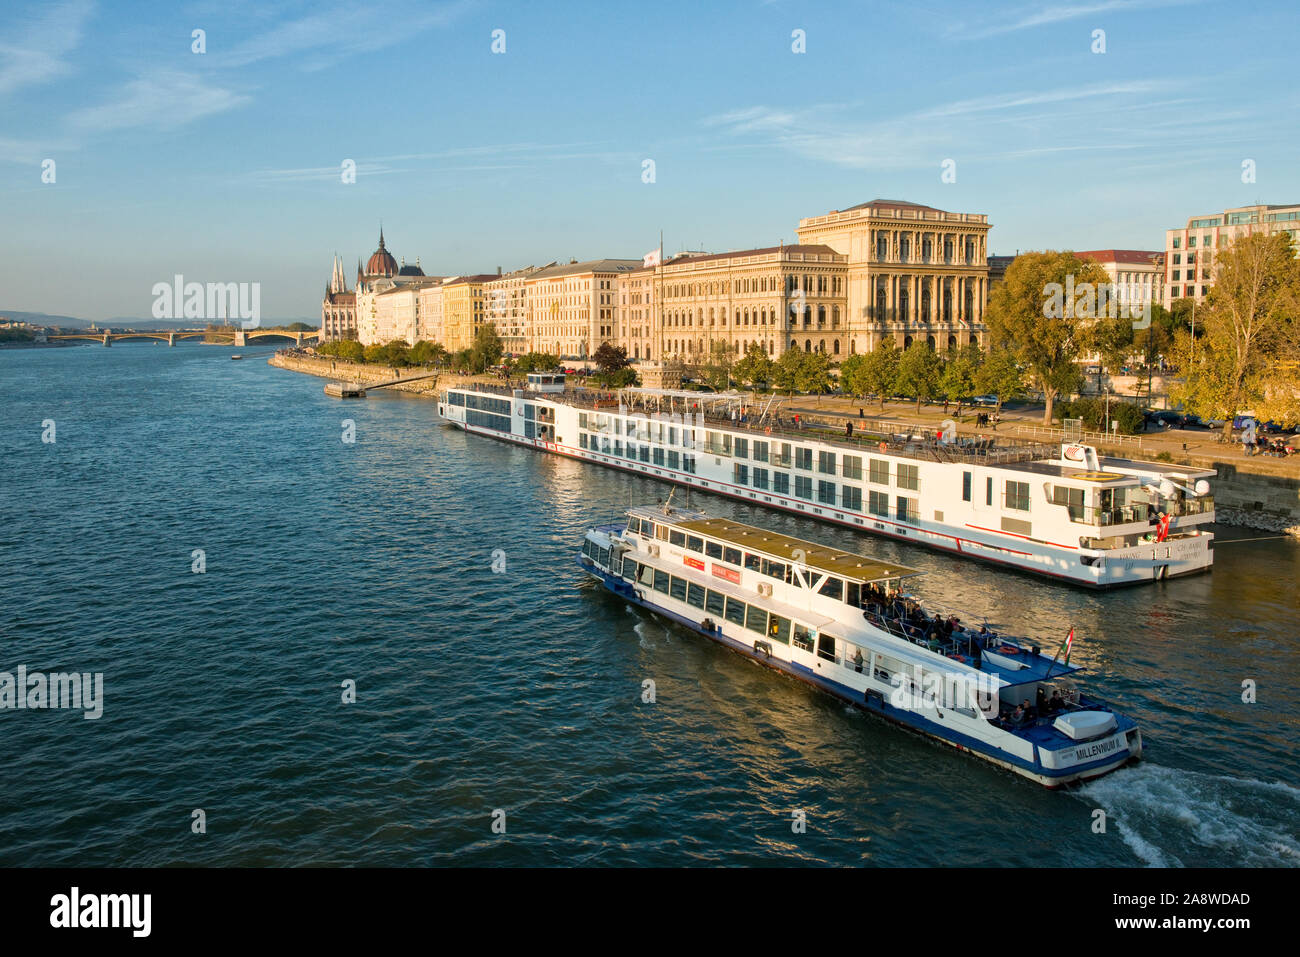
x: 495, y: 685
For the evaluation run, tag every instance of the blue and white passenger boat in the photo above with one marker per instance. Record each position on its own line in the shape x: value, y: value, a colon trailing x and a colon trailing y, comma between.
x: 844, y: 623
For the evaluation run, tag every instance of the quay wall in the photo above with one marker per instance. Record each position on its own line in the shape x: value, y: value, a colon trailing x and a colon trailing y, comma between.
x: 343, y: 371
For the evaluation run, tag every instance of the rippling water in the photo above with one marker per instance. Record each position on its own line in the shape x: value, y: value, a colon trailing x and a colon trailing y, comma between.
x: 519, y: 691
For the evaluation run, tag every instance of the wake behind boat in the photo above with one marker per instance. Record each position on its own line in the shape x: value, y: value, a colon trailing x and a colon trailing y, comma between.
x: 843, y: 623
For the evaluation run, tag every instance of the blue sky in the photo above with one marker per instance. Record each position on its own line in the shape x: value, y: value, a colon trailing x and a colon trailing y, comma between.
x: 225, y: 166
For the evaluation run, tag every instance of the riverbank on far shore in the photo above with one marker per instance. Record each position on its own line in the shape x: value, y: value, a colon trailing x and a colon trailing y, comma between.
x: 1262, y: 494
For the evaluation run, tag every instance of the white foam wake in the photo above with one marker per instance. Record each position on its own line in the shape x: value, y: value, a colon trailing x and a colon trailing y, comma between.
x: 1171, y: 817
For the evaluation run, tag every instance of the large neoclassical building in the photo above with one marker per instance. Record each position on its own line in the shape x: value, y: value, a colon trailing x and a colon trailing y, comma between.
x: 915, y: 273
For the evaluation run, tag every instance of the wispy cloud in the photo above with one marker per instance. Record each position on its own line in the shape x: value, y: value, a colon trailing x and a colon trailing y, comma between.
x: 334, y: 32
x: 164, y: 99
x: 980, y: 126
x: 1039, y: 16
x: 39, y: 53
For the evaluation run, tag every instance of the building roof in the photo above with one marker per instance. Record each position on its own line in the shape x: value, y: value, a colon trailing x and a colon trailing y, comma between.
x: 892, y: 204
x: 476, y: 280
x: 1136, y: 257
x: 381, y: 261
x: 809, y: 249
x: 591, y: 265
x: 845, y: 564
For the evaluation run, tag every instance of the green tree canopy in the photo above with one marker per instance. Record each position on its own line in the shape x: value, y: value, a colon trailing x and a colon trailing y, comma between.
x: 918, y: 373
x: 1039, y: 312
x: 755, y: 369
x: 610, y: 358
x: 999, y: 375
x: 1246, y: 354
x: 957, y: 380
x: 872, y: 373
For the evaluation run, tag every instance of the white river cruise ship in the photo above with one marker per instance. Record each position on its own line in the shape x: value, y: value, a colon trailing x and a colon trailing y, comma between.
x: 1062, y: 511
x: 842, y: 622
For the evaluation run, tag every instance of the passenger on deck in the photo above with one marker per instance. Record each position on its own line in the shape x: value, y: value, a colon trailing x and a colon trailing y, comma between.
x: 1040, y: 700
x: 1030, y: 711
x: 1018, y: 716
x: 857, y: 661
x: 1057, y: 703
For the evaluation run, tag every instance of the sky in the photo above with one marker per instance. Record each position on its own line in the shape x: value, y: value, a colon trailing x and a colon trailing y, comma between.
x: 227, y: 165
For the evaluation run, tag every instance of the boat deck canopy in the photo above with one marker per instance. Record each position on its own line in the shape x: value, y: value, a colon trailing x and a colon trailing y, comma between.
x: 845, y: 564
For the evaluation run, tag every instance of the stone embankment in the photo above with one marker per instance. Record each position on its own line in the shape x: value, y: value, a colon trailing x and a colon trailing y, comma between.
x: 343, y: 371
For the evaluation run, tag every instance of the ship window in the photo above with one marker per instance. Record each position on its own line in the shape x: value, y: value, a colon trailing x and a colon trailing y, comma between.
x: 731, y: 556
x: 713, y: 602
x: 1018, y: 496
x: 774, y: 570
x: 832, y: 587
x: 760, y: 478
x: 778, y: 629
x: 988, y: 491
x: 673, y: 461
x: 678, y: 588
x: 908, y: 476
x: 695, y: 595
x: 853, y: 466
x: 645, y: 453
x: 677, y: 538
x: 604, y: 557
x: 760, y: 451
x: 735, y: 611
x: 965, y: 486
x: 756, y: 619
x: 854, y: 596
x: 879, y: 473
x: 582, y: 439
x: 753, y: 562
x: 878, y: 503
x: 742, y: 448
x: 803, y: 459
x: 852, y: 498
x: 629, y: 569
x: 826, y: 493
x: 826, y: 647
x: 802, y: 637
x: 646, y: 576
x: 586, y: 547
x: 741, y: 474
x: 826, y: 463
x: 713, y: 549
x: 694, y: 544
x: 803, y: 486
x: 661, y: 581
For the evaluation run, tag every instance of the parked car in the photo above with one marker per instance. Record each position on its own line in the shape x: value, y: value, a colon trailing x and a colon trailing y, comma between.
x: 1194, y: 422
x: 985, y: 400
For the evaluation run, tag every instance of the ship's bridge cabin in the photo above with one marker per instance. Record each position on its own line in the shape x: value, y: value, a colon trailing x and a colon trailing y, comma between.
x: 546, y: 382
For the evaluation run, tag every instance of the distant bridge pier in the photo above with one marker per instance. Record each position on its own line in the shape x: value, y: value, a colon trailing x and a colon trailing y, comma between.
x: 171, y: 339
x: 107, y: 340
x: 240, y: 338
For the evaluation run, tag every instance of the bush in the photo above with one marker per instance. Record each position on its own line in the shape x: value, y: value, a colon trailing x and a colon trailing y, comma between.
x: 1093, y: 413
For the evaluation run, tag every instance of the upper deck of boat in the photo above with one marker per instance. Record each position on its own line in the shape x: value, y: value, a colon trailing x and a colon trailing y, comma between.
x: 846, y: 565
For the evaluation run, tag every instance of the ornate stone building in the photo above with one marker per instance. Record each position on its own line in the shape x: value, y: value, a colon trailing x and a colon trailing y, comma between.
x: 571, y: 308
x: 914, y: 272
x: 698, y: 304
x: 338, y: 310
x: 506, y: 300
